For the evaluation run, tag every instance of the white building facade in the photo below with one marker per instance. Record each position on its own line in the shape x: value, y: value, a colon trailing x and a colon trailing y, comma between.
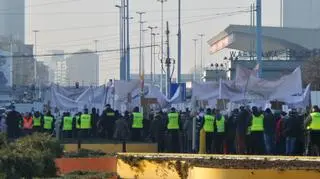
x: 12, y: 19
x: 83, y: 67
x: 60, y: 75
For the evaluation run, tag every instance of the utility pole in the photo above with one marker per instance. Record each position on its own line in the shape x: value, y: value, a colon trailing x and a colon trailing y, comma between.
x: 122, y: 60
x: 35, y: 61
x: 179, y: 43
x: 124, y: 38
x: 162, y: 51
x: 259, y: 37
x: 168, y: 64
x: 96, y: 63
x: 195, y: 60
x: 140, y: 41
x: 152, y: 52
x: 201, y: 51
x: 128, y: 41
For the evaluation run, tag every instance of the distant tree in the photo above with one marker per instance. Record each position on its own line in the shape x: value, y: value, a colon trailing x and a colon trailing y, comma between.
x: 311, y: 72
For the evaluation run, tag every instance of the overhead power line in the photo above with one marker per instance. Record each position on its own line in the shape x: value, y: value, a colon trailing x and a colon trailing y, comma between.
x: 74, y: 53
x: 154, y: 21
x: 42, y: 4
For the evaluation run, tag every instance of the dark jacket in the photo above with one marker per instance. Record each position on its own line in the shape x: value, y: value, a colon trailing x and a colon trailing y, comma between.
x: 122, y: 131
x: 292, y: 125
x: 243, y: 121
x: 269, y: 123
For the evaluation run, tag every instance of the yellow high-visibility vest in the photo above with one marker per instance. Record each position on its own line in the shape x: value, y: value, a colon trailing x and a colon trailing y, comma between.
x: 47, y: 120
x: 110, y: 114
x: 257, y: 123
x: 36, y: 121
x: 85, y: 121
x: 220, y: 125
x: 315, y: 121
x: 173, y: 121
x: 137, y: 122
x: 208, y: 123
x: 67, y: 123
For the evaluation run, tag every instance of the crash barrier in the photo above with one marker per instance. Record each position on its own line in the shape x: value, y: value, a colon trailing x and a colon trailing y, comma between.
x: 185, y: 166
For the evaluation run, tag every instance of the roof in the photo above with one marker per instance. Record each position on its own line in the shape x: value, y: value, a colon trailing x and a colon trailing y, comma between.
x: 242, y: 37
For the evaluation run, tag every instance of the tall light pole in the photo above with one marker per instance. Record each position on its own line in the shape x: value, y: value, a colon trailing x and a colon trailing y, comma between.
x: 35, y: 55
x: 128, y: 41
x: 201, y: 51
x: 195, y: 59
x: 152, y: 59
x: 140, y: 44
x: 162, y: 55
x: 259, y: 37
x: 35, y: 63
x: 96, y: 63
x: 179, y: 43
x: 154, y: 54
x: 122, y: 60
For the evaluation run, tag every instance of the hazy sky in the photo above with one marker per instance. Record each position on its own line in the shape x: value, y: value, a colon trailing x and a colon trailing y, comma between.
x: 71, y: 25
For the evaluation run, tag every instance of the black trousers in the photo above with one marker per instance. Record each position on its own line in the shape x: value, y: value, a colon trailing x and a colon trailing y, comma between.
x: 209, y: 142
x: 136, y: 134
x: 219, y: 143
x: 313, y: 143
x: 67, y: 134
x: 257, y: 143
x: 173, y: 143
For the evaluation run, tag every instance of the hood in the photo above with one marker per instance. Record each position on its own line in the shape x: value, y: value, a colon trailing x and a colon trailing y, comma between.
x: 218, y: 117
x: 256, y: 113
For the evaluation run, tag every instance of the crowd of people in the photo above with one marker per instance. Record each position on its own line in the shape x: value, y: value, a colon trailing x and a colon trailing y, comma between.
x: 244, y: 131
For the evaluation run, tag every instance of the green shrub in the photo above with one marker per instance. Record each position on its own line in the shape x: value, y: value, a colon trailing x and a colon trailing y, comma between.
x: 30, y: 156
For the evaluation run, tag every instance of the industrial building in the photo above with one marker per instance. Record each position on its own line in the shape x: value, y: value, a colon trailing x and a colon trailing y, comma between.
x: 284, y: 48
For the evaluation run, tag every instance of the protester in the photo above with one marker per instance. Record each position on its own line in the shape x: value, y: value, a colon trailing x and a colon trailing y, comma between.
x: 269, y: 126
x: 291, y: 128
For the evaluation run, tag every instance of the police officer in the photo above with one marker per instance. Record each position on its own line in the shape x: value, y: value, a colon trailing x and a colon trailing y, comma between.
x: 107, y: 122
x: 76, y: 124
x: 209, y: 129
x: 67, y: 125
x: 136, y: 124
x: 173, y: 127
x: 219, y: 126
x: 37, y: 122
x: 257, y: 132
x: 85, y: 123
x: 312, y: 124
x: 48, y: 122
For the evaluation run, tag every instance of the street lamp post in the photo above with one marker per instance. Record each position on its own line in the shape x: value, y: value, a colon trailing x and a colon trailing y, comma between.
x: 162, y: 55
x: 121, y: 43
x: 154, y: 54
x: 195, y: 59
x: 152, y: 59
x: 97, y: 63
x: 201, y: 51
x: 35, y: 61
x: 140, y: 41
